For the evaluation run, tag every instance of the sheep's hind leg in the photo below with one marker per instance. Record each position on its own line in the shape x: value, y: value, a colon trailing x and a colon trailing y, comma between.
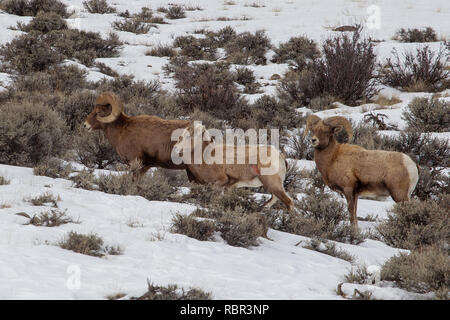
x: 274, y: 185
x: 270, y: 202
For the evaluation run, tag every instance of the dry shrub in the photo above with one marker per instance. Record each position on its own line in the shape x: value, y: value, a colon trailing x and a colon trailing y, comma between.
x: 345, y: 71
x: 98, y: 6
x: 378, y: 120
x: 365, y: 135
x: 4, y: 181
x: 221, y: 37
x: 36, y: 51
x: 237, y: 226
x: 358, y: 275
x: 85, y: 46
x: 208, y: 120
x: 161, y: 51
x: 151, y: 186
x: 297, y: 88
x: 220, y: 199
x: 172, y: 292
x: 142, y: 97
x: 314, y: 179
x: 320, y: 216
x: 196, y: 48
x: 145, y: 16
x: 32, y: 7
x: 175, y: 12
x: 52, y: 218
x: 298, y: 52
x: 57, y: 79
x: 299, y: 147
x: 132, y: 25
x: 75, y: 107
x: 385, y: 101
x: 84, y: 179
x: 44, y: 198
x: 245, y: 76
x: 428, y: 115
x: 293, y: 178
x: 268, y: 112
x: 234, y: 211
x: 423, y: 70
x: 422, y: 148
x: 44, y: 22
x: 193, y: 227
x: 248, y: 48
x: 324, y: 102
x: 93, y: 150
x: 53, y: 168
x: 432, y: 183
x: 90, y: 244
x: 240, y: 229
x: 414, y: 224
x: 347, y: 68
x: 329, y: 248
x: 29, y: 133
x: 130, y: 90
x: 208, y: 87
x: 416, y: 35
x: 423, y: 270
x: 29, y: 52
x: 103, y: 68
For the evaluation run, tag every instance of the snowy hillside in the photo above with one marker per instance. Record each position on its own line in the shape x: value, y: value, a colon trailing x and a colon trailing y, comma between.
x: 33, y: 266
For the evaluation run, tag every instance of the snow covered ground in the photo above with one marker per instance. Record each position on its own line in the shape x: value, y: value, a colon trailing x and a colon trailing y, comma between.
x: 32, y: 266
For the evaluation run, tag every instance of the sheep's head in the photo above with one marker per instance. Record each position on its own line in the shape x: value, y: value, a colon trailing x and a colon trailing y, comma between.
x: 191, y: 136
x: 323, y: 130
x: 107, y: 109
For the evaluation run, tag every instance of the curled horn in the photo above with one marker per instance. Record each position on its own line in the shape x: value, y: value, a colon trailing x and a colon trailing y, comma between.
x: 338, y: 121
x: 116, y: 106
x: 310, y: 121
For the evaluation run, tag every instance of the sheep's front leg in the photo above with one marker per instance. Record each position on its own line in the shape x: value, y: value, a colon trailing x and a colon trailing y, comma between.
x: 222, y: 181
x: 137, y: 174
x: 352, y: 200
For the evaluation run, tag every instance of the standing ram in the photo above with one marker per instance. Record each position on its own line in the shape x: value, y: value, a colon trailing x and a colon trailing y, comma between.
x: 354, y: 171
x: 144, y: 138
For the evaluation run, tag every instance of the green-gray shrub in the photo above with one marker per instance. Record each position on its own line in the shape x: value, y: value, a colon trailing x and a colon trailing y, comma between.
x: 414, y: 224
x: 29, y: 133
x: 423, y: 270
x: 172, y: 292
x: 428, y: 115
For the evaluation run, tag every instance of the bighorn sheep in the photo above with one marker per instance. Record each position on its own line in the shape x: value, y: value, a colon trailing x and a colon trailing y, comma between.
x: 144, y: 138
x: 353, y: 170
x: 221, y: 167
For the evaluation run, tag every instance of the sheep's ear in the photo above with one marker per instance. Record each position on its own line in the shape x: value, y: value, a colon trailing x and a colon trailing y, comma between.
x: 337, y: 129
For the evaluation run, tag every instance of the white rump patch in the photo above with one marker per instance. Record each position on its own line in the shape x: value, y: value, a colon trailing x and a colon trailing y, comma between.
x: 413, y: 173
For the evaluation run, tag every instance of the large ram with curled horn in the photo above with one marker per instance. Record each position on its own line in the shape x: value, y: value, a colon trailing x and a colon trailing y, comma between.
x: 144, y: 138
x: 353, y: 171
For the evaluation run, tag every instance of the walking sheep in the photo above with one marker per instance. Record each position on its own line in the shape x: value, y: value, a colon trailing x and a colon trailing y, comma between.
x: 269, y: 169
